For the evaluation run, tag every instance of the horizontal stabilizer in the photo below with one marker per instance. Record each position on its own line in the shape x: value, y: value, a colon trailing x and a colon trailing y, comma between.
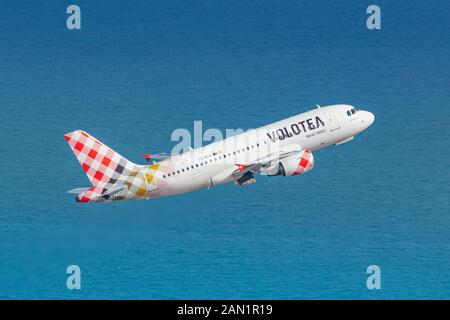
x: 115, y: 190
x: 156, y: 156
x: 78, y: 190
x: 100, y: 193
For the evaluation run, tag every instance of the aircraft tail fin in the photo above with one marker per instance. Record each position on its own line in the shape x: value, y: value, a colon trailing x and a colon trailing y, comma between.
x: 101, y: 164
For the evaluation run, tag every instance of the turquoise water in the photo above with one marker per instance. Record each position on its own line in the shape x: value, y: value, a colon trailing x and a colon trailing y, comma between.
x: 138, y: 70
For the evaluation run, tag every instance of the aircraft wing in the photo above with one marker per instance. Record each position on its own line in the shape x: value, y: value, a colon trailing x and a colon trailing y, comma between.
x: 240, y: 170
x: 267, y: 161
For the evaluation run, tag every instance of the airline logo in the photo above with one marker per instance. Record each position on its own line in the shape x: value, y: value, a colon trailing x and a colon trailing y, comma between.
x: 296, y: 128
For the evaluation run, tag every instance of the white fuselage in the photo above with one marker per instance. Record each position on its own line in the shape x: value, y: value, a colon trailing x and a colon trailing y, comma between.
x: 210, y: 165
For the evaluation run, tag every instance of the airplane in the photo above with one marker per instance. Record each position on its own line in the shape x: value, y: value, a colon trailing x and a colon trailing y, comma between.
x: 282, y: 148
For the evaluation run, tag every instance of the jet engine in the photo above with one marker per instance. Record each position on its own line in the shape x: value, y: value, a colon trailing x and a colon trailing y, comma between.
x: 298, y: 163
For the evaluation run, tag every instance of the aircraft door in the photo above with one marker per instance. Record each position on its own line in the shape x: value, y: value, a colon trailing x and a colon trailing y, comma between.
x: 333, y: 123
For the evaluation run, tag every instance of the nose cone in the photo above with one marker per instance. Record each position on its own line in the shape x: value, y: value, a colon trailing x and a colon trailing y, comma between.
x: 371, y: 117
x: 368, y: 119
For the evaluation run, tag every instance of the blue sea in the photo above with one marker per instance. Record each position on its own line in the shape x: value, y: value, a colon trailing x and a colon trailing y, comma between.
x: 137, y: 70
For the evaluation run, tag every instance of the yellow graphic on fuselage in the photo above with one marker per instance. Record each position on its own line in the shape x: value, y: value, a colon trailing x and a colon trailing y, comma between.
x: 146, y: 182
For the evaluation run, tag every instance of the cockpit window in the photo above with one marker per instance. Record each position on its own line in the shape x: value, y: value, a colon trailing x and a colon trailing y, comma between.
x: 352, y: 111
x: 349, y: 113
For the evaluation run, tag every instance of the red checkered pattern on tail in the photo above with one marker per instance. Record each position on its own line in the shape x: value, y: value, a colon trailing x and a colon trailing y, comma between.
x: 100, y: 163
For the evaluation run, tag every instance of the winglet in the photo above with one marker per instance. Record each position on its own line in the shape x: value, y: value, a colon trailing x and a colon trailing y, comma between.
x: 147, y: 156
